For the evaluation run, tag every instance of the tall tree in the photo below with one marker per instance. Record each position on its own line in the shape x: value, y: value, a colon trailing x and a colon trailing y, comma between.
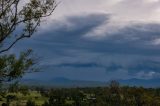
x: 19, y: 19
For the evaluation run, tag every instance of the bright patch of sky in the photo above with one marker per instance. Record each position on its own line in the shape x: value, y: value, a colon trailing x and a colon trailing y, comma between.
x: 122, y: 13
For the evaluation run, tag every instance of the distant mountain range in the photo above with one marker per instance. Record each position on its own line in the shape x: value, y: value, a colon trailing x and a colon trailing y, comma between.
x: 64, y: 82
x: 141, y: 82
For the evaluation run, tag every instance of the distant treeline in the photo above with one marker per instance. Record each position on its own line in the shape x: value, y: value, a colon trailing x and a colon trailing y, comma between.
x: 113, y: 95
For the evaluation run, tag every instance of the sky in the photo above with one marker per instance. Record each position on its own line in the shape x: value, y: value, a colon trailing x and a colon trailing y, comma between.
x: 98, y: 40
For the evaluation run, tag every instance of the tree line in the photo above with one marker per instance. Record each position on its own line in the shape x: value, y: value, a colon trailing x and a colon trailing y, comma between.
x: 111, y: 95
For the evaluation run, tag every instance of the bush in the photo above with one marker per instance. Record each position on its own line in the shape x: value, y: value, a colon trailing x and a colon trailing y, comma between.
x: 46, y: 104
x: 30, y: 103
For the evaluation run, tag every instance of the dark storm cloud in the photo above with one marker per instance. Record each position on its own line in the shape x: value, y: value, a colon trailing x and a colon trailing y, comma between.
x: 78, y: 65
x: 136, y: 67
x: 64, y: 46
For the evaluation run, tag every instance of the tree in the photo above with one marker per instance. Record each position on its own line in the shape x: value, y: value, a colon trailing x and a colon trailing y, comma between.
x: 30, y: 103
x: 10, y: 98
x: 24, y: 89
x: 18, y: 21
x: 21, y: 22
x: 56, y: 98
x: 114, y: 87
x: 12, y: 68
x: 14, y: 88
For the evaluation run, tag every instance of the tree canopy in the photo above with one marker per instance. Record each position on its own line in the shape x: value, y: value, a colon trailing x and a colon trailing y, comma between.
x: 19, y: 19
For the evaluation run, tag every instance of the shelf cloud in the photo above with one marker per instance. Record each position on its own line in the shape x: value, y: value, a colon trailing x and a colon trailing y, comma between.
x: 100, y: 40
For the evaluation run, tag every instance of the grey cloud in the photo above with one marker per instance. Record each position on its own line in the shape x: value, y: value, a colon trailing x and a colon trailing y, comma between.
x: 65, y: 47
x: 78, y: 65
x: 143, y: 65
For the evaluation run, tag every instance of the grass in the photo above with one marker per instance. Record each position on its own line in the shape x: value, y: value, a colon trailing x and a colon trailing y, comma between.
x: 21, y: 99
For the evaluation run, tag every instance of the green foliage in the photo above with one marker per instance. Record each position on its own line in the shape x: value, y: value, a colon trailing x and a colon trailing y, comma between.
x: 56, y: 98
x: 10, y: 98
x: 12, y: 68
x: 46, y: 104
x: 100, y: 96
x: 14, y: 87
x: 30, y: 103
x: 19, y: 21
x: 124, y: 96
x: 24, y: 90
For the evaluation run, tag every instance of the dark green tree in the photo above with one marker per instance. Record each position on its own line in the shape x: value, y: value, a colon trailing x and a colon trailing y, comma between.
x: 56, y: 98
x: 30, y: 103
x: 12, y: 67
x: 24, y: 89
x: 10, y: 98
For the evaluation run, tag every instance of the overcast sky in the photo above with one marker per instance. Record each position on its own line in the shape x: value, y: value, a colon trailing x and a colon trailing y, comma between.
x: 99, y: 40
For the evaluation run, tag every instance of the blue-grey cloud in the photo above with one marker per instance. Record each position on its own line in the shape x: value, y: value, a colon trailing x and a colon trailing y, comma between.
x: 64, y: 48
x: 78, y: 65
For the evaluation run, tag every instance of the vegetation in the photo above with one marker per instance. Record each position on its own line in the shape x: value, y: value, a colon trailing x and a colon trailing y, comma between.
x: 113, y: 95
x: 19, y: 19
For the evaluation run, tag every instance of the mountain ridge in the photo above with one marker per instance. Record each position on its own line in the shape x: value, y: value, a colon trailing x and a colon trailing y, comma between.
x: 65, y: 82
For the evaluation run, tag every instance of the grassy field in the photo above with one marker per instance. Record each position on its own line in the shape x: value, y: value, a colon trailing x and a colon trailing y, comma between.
x: 21, y: 99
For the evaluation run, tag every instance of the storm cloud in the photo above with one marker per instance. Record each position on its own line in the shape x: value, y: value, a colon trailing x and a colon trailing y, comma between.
x: 101, y: 41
